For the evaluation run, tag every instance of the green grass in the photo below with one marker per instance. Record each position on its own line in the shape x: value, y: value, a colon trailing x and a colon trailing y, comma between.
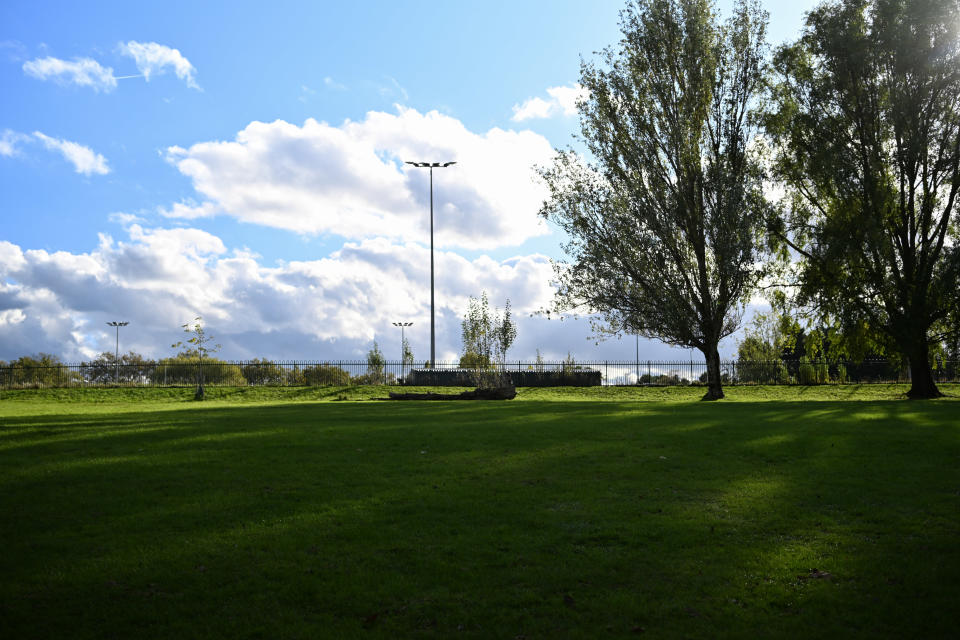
x: 285, y: 513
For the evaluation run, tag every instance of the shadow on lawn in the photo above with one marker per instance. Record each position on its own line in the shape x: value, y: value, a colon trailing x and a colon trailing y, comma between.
x: 674, y: 516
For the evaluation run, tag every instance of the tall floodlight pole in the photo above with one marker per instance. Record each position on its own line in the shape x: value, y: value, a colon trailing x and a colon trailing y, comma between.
x: 433, y: 332
x: 403, y: 351
x: 116, y: 353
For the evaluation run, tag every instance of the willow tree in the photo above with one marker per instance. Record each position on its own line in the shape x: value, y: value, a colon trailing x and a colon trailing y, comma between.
x: 664, y: 216
x: 867, y: 121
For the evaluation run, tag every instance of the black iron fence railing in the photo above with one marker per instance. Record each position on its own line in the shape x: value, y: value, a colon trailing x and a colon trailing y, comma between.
x: 357, y: 372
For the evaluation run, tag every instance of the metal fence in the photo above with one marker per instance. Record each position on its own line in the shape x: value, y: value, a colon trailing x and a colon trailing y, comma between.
x: 357, y: 372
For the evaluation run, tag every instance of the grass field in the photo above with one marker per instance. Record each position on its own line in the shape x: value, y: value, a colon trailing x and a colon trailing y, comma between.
x: 317, y: 513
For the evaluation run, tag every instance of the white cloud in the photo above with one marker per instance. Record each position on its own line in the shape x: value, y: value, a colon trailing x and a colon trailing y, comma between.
x: 562, y: 101
x: 350, y: 180
x: 332, y: 307
x: 189, y: 210
x: 124, y: 218
x: 9, y: 142
x: 158, y: 279
x: 83, y: 159
x: 153, y: 58
x: 532, y: 108
x: 83, y: 72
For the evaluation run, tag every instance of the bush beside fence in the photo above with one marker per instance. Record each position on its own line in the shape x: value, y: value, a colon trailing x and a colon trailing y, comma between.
x: 185, y: 373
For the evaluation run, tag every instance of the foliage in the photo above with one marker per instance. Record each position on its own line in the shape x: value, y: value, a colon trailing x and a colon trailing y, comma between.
x: 487, y: 336
x: 375, y: 362
x: 569, y: 363
x: 187, y: 368
x: 327, y: 375
x: 471, y: 360
x: 538, y: 363
x: 812, y: 372
x: 199, y: 345
x: 867, y: 124
x: 664, y: 227
x: 263, y: 372
x: 841, y: 376
x: 133, y: 368
x: 407, y: 352
x: 504, y: 333
x: 39, y: 370
x: 476, y: 329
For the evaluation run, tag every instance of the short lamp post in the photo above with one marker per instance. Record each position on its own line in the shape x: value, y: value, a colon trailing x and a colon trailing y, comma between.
x: 433, y: 333
x: 403, y: 352
x: 116, y: 353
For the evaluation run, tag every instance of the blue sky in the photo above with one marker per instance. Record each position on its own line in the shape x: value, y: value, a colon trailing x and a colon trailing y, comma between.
x: 243, y: 162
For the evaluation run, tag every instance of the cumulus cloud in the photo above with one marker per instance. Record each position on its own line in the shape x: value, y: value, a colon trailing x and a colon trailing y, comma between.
x: 154, y: 59
x: 83, y: 72
x: 561, y: 101
x: 333, y: 307
x: 84, y: 160
x: 351, y: 180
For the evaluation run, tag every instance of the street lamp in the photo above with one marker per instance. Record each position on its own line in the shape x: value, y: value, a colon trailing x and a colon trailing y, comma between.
x: 116, y: 353
x: 433, y: 333
x: 403, y: 351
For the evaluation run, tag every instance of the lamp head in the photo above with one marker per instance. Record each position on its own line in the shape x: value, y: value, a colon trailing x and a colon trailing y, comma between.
x: 431, y: 165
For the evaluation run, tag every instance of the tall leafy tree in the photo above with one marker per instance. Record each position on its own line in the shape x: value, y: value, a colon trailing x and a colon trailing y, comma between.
x: 663, y: 220
x: 867, y: 131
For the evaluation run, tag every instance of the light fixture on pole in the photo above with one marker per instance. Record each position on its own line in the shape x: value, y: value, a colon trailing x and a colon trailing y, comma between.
x: 116, y: 353
x: 433, y: 333
x: 403, y: 344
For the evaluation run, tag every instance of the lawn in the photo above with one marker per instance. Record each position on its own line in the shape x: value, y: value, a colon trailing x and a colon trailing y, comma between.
x: 320, y: 513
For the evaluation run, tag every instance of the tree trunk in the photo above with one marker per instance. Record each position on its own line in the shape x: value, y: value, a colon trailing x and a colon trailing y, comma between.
x: 714, y: 386
x: 922, y: 385
x: 199, y: 395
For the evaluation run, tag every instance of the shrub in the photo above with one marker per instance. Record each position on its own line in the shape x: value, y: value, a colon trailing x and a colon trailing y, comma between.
x: 473, y: 360
x: 41, y: 370
x: 133, y: 369
x: 184, y: 370
x: 841, y: 376
x: 762, y: 372
x: 263, y: 372
x: 375, y: 378
x: 813, y: 373
x: 822, y: 372
x: 322, y: 375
